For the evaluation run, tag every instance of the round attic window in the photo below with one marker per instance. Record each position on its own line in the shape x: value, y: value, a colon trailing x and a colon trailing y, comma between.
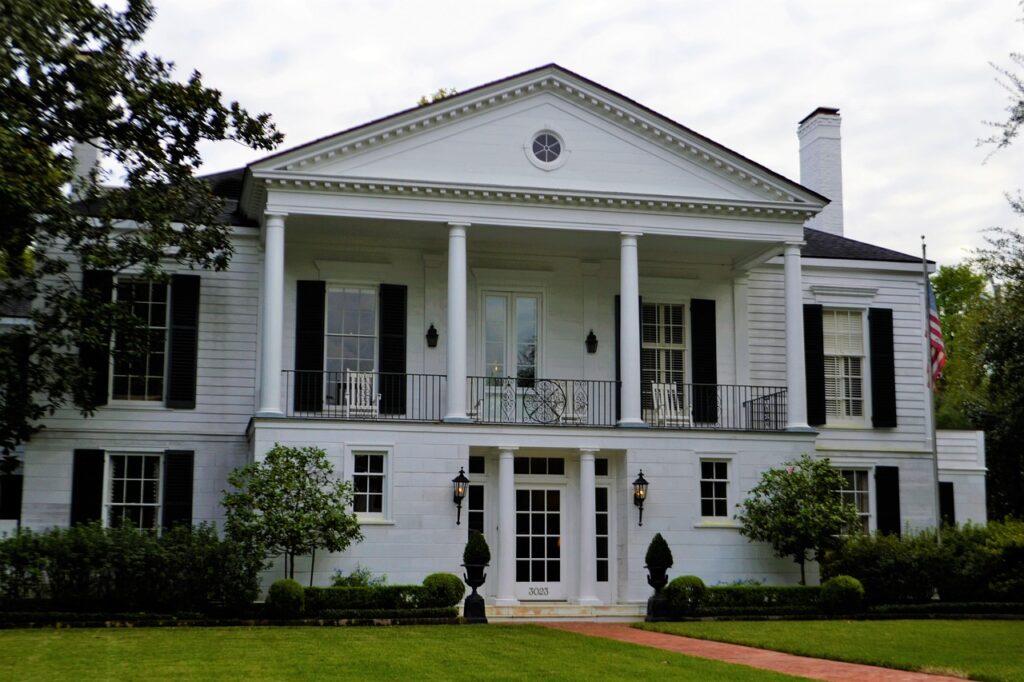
x: 546, y: 150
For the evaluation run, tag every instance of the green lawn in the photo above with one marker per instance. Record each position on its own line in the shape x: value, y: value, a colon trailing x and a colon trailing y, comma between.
x: 980, y: 649
x: 434, y: 652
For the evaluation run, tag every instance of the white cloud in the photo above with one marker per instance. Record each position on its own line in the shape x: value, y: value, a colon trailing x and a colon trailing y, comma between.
x: 912, y: 79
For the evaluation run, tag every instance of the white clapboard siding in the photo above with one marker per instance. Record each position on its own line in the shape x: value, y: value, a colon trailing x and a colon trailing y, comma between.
x: 961, y: 449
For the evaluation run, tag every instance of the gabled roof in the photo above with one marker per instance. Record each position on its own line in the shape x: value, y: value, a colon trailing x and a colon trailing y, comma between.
x: 428, y: 109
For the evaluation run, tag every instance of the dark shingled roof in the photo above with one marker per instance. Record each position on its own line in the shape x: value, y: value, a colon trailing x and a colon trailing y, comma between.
x: 228, y: 186
x: 826, y: 245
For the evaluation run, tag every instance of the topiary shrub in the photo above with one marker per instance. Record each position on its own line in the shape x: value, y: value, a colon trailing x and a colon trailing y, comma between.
x: 842, y: 594
x: 685, y: 595
x: 443, y: 589
x: 286, y: 599
x: 477, y: 552
x: 658, y: 553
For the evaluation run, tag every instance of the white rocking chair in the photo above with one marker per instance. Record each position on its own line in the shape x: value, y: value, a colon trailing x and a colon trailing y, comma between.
x: 361, y: 401
x: 667, y: 410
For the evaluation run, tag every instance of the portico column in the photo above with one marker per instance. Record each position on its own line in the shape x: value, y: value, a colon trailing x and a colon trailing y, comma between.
x: 273, y: 316
x: 629, y: 330
x: 796, y: 377
x: 456, y: 344
x: 506, y: 527
x: 588, y: 529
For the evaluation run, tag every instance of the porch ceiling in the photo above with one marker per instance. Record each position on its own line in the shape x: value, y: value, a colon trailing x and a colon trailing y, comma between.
x: 432, y: 237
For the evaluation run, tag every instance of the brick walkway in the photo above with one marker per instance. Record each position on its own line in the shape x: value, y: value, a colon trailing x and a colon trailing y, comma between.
x: 815, y: 668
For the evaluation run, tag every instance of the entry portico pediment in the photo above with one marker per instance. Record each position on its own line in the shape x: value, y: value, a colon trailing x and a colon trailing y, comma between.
x: 602, y: 143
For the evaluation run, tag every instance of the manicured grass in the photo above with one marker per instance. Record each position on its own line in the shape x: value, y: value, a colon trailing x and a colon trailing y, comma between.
x: 980, y: 649
x: 384, y: 653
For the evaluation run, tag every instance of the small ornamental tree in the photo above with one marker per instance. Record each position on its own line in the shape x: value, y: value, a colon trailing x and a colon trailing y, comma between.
x: 798, y: 511
x: 289, y: 504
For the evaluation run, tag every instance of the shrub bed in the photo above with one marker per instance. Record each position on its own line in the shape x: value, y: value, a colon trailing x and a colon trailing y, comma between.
x: 761, y: 597
x: 89, y: 568
x: 438, y: 591
x: 973, y: 563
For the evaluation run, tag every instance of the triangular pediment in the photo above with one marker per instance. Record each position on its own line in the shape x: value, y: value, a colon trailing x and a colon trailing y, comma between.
x: 484, y: 137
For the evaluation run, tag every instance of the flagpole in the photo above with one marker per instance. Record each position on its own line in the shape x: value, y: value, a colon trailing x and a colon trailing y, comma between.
x: 931, y: 388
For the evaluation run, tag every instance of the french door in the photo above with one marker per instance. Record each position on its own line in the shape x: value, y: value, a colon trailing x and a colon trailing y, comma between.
x: 539, y: 566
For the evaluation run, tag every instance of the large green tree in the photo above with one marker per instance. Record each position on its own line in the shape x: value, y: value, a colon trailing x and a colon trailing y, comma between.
x: 291, y: 505
x: 1002, y: 331
x: 797, y: 509
x: 73, y: 72
x: 964, y: 303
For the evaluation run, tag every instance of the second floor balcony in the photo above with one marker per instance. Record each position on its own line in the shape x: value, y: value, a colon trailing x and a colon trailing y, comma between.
x: 501, y: 400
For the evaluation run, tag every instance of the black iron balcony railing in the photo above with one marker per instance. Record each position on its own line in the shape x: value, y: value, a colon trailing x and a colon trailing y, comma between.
x: 383, y: 396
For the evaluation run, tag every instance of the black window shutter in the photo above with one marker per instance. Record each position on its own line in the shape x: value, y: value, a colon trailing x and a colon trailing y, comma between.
x: 814, y: 363
x: 704, y: 360
x: 309, y: 346
x: 97, y: 289
x: 183, y: 342
x: 177, y: 503
x: 947, y: 505
x: 10, y: 496
x: 887, y: 504
x: 618, y: 358
x: 86, y: 486
x: 393, y: 314
x: 883, y: 368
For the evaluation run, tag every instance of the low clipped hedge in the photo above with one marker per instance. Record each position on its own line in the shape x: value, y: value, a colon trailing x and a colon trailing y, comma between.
x: 761, y: 598
x: 390, y: 614
x: 439, y: 591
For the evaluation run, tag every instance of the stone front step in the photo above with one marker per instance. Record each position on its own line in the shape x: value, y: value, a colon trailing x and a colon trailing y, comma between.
x: 565, y: 611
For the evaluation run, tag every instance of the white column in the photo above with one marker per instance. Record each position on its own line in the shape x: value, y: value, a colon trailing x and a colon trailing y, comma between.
x: 506, y: 527
x: 796, y: 377
x: 629, y: 330
x: 273, y: 317
x: 588, y: 529
x: 456, y: 344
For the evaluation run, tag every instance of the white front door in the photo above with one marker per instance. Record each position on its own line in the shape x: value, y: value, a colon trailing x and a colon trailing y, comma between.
x: 539, y: 551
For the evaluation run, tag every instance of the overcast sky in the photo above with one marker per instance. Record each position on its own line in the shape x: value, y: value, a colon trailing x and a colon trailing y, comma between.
x: 912, y: 80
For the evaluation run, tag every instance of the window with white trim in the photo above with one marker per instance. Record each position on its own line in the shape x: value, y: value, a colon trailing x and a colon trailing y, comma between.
x: 511, y: 332
x: 369, y: 473
x: 140, y: 375
x: 843, y: 336
x: 662, y: 348
x: 133, y: 491
x: 855, y: 491
x: 714, y: 489
x: 351, y: 335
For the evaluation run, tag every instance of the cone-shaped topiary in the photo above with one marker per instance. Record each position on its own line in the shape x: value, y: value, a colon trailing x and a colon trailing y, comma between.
x: 658, y: 553
x: 477, y: 552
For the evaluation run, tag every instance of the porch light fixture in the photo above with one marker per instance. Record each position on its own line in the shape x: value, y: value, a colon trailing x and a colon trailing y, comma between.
x: 640, y: 494
x: 432, y: 337
x: 459, y: 484
x: 591, y: 342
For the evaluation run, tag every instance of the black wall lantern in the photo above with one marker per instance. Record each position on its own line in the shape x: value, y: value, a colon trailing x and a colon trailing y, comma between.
x: 459, y: 484
x: 432, y: 337
x: 591, y: 342
x: 640, y: 494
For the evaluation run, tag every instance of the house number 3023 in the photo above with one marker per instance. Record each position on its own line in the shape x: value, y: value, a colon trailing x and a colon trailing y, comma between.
x: 538, y: 591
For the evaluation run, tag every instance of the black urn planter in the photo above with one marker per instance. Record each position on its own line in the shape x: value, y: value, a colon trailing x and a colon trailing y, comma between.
x: 657, y: 604
x: 473, y: 611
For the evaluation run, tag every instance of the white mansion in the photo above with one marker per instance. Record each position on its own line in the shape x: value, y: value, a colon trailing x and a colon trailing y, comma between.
x: 554, y: 288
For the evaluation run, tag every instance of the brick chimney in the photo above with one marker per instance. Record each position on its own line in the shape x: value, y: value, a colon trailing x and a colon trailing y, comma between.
x: 821, y: 165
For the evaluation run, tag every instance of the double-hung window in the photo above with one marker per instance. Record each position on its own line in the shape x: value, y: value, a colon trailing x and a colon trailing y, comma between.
x: 133, y: 491
x: 138, y: 373
x: 662, y: 348
x: 351, y: 331
x: 843, y: 336
x: 511, y: 330
x: 368, y: 481
x: 714, y: 489
x: 855, y: 491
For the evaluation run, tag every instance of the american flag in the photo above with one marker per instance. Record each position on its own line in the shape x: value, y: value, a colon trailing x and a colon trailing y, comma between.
x: 938, y: 348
